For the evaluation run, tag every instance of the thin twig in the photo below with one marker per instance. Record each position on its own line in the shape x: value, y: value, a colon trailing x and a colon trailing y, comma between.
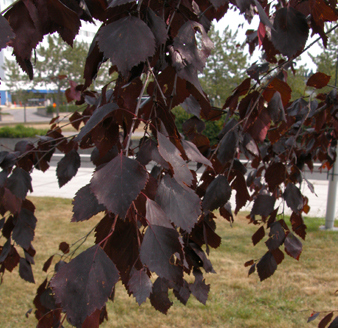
x: 136, y: 112
x: 304, y: 50
x: 158, y: 85
x: 173, y: 15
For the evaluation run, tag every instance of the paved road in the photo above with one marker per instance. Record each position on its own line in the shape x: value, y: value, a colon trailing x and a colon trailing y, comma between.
x: 45, y: 184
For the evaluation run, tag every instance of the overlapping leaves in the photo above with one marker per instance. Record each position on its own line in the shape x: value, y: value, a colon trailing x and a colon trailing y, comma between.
x: 127, y: 42
x: 118, y: 183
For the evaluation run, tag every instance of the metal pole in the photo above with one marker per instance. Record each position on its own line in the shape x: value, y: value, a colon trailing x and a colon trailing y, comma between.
x: 24, y: 113
x: 332, y: 196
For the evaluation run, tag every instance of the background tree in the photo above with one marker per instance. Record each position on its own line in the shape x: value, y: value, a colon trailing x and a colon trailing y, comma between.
x: 225, y: 67
x: 17, y: 81
x: 297, y: 81
x: 327, y: 59
x: 57, y: 63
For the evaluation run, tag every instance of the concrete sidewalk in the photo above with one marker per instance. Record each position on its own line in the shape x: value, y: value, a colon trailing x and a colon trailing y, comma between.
x: 45, y: 184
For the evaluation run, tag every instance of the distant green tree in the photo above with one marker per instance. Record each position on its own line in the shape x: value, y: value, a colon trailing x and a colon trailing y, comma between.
x: 16, y: 81
x: 225, y: 67
x: 297, y: 82
x: 326, y: 61
x: 57, y: 63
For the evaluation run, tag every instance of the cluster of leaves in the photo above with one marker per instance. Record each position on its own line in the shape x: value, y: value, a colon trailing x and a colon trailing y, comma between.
x: 159, y: 227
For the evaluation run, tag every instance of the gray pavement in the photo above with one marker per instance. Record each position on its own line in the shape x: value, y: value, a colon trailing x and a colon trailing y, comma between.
x: 17, y: 115
x: 45, y: 184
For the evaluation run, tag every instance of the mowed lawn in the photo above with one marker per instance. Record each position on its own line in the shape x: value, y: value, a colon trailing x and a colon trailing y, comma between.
x: 235, y: 300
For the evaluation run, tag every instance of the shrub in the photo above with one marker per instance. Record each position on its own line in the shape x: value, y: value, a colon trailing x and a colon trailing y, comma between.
x: 66, y: 108
x: 212, y: 128
x: 20, y: 131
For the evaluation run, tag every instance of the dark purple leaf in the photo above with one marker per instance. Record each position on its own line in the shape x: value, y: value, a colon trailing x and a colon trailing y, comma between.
x: 155, y: 215
x: 250, y: 144
x: 67, y: 167
x: 5, y: 250
x: 8, y: 227
x: 180, y: 204
x: 249, y: 263
x: 242, y: 194
x: 64, y: 247
x: 252, y: 269
x: 85, y: 205
x: 313, y: 316
x: 192, y: 106
x: 6, y: 32
x: 19, y: 183
x: 278, y: 255
x: 140, y: 285
x: 194, y: 154
x: 199, y: 288
x: 262, y: 15
x: 47, y: 264
x: 334, y: 323
x: 258, y: 236
x: 98, y: 116
x: 298, y: 225
x: 193, y: 124
x: 266, y: 266
x: 293, y: 246
x: 10, y: 202
x: 276, y: 108
x: 275, y: 174
x: 290, y: 31
x: 226, y: 212
x: 94, y: 61
x: 293, y: 197
x: 50, y: 319
x: 25, y: 271
x: 277, y: 236
x: 182, y: 293
x: 318, y: 80
x: 202, y: 260
x: 118, y: 184
x: 127, y: 42
x: 217, y: 194
x: 173, y: 156
x: 149, y: 152
x: 158, y: 247
x: 243, y: 5
x: 218, y: 3
x: 256, y: 69
x: 263, y: 205
x: 84, y: 284
x: 185, y: 44
x: 122, y: 246
x: 159, y: 297
x: 227, y: 147
x: 325, y: 321
x: 23, y: 232
x: 12, y: 259
x: 115, y: 3
x: 157, y: 26
x: 186, y: 57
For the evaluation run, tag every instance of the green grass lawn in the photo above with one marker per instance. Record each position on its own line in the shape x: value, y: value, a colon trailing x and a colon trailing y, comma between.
x: 235, y: 300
